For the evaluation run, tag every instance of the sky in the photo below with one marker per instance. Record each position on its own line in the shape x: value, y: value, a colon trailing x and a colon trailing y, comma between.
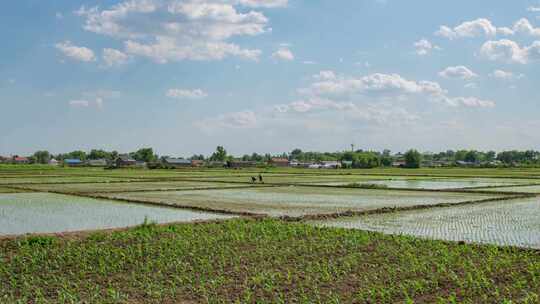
x: 183, y: 76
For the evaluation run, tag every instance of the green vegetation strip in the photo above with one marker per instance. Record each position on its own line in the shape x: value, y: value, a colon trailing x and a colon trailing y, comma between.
x: 263, y: 261
x: 11, y: 190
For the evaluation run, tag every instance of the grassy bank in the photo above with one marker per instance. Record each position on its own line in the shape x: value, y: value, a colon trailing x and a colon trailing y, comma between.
x: 265, y: 261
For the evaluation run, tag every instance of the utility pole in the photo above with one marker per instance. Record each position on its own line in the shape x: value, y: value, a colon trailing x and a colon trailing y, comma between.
x: 352, y: 147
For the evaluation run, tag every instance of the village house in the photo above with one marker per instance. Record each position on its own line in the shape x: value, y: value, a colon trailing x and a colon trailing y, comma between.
x: 20, y: 160
x: 399, y: 164
x: 279, y: 162
x: 3, y: 159
x: 330, y: 164
x: 73, y: 162
x: 97, y: 162
x: 197, y: 163
x: 53, y: 162
x: 216, y: 164
x: 125, y: 161
x: 171, y: 162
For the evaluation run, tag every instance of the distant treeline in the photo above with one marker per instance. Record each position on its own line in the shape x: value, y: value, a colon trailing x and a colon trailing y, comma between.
x: 356, y: 159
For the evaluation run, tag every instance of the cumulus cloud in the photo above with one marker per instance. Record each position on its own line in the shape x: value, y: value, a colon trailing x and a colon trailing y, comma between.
x: 505, y: 75
x: 263, y: 3
x: 328, y: 86
x: 524, y: 26
x: 76, y: 52
x: 471, y: 102
x: 483, y: 27
x: 534, y: 9
x: 186, y: 94
x: 236, y: 120
x: 283, y: 53
x: 471, y: 85
x: 461, y: 72
x: 79, y: 103
x: 424, y: 47
x: 175, y: 30
x: 86, y: 103
x: 475, y: 28
x: 113, y: 57
x: 377, y: 113
x: 510, y: 51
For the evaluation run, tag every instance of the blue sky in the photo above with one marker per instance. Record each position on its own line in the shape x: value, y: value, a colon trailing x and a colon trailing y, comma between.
x: 184, y: 76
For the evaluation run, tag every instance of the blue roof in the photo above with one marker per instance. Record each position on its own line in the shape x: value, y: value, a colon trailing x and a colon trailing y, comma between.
x: 72, y: 161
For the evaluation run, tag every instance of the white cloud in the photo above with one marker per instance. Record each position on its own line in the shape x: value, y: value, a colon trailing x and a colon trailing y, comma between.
x: 59, y: 15
x: 85, y: 103
x: 76, y: 52
x: 309, y: 62
x: 475, y: 28
x: 175, y: 30
x: 263, y: 3
x: 471, y: 85
x: 325, y: 75
x: 283, y: 53
x: 534, y: 9
x: 484, y: 28
x: 471, y: 102
x: 328, y: 86
x: 504, y: 75
x: 186, y: 94
x: 113, y: 57
x: 79, y: 103
x: 460, y: 71
x: 236, y: 120
x: 523, y: 26
x: 424, y: 47
x: 510, y: 51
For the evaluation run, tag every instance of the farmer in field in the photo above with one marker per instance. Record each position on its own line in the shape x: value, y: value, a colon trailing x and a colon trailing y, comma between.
x: 261, y: 179
x: 253, y: 179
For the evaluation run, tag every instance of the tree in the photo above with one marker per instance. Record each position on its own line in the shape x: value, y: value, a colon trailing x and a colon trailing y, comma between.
x: 99, y: 154
x: 76, y: 155
x: 144, y: 154
x: 413, y: 159
x: 219, y: 155
x: 472, y: 157
x: 42, y: 157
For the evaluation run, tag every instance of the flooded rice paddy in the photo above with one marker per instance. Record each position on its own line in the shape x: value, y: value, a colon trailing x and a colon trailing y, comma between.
x: 299, y: 201
x: 515, y: 223
x: 47, y: 213
x: 434, y: 184
x: 129, y: 186
x: 520, y: 189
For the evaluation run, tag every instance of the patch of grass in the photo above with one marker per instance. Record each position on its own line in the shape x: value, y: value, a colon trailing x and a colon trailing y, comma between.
x: 264, y: 261
x: 366, y: 186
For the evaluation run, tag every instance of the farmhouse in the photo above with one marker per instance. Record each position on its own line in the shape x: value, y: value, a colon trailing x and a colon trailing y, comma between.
x: 197, y: 163
x: 398, y: 164
x: 125, y: 161
x: 279, y: 162
x: 73, y: 162
x: 331, y: 164
x: 216, y: 164
x: 171, y: 162
x: 97, y: 162
x: 3, y: 159
x: 53, y: 162
x: 20, y: 160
